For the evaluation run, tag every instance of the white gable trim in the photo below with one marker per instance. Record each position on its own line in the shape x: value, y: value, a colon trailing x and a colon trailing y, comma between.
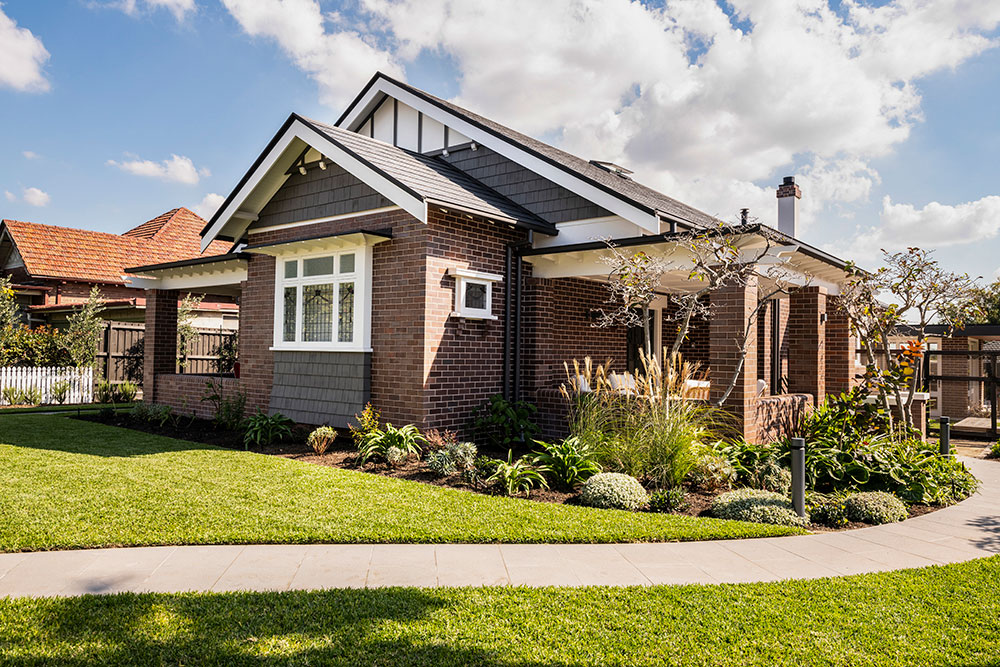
x: 362, y: 171
x: 648, y: 221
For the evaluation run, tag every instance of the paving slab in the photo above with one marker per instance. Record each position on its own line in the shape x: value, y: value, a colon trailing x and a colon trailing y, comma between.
x: 333, y: 566
x: 261, y: 567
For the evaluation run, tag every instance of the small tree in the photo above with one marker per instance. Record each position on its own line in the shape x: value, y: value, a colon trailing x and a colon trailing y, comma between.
x: 634, y: 281
x: 84, y: 331
x: 10, y: 315
x: 186, y: 331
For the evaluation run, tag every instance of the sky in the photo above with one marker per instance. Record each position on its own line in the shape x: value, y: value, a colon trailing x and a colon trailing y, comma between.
x: 114, y: 111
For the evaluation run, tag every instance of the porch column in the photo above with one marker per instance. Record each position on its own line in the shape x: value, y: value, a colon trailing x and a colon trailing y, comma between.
x: 955, y: 394
x: 160, y: 339
x: 807, y: 342
x: 731, y: 310
x: 841, y: 348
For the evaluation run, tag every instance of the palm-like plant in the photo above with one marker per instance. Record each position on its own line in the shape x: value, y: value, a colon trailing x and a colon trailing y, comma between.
x: 517, y: 476
x: 377, y: 443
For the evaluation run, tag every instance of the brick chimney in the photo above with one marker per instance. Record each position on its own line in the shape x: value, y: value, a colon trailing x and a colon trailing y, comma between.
x: 789, y: 195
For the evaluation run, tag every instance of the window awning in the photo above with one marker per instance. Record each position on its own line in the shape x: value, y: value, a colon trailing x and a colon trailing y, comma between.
x: 321, y: 243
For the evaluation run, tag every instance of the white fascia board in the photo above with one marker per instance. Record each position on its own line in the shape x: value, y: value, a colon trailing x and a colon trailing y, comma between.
x: 648, y: 221
x: 299, y: 130
x: 475, y: 275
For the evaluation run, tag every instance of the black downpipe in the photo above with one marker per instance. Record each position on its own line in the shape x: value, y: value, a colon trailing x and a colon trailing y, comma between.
x: 517, y: 330
x: 506, y: 321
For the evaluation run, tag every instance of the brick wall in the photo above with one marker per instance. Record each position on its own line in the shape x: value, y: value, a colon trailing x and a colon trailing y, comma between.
x: 184, y: 393
x: 807, y: 342
x: 732, y: 306
x: 777, y: 416
x: 160, y: 340
x: 841, y: 348
x: 955, y: 394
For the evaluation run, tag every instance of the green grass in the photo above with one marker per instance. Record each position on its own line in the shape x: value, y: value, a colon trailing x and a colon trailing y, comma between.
x: 946, y: 615
x: 74, y: 407
x: 69, y: 483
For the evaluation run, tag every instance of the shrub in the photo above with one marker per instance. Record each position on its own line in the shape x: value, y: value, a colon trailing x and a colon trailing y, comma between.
x: 668, y: 500
x: 376, y: 444
x: 503, y: 424
x: 105, y: 392
x: 228, y: 413
x: 994, y: 451
x: 440, y: 439
x: 567, y: 464
x: 757, y: 506
x: 126, y: 391
x: 263, y: 429
x: 161, y: 414
x: 830, y: 511
x: 30, y: 396
x: 227, y: 353
x: 142, y: 412
x: 60, y: 391
x: 321, y: 439
x: 441, y: 464
x: 481, y: 471
x: 749, y: 460
x: 514, y: 477
x: 463, y: 454
x: 711, y: 471
x: 40, y: 346
x: 368, y: 422
x: 11, y: 395
x: 396, y: 455
x: 612, y: 490
x: 875, y: 507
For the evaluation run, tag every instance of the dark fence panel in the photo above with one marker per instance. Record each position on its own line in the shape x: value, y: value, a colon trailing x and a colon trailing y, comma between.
x: 120, y: 351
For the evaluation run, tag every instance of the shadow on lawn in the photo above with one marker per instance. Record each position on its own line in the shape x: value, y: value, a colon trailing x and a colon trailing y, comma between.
x: 80, y: 436
x: 324, y: 628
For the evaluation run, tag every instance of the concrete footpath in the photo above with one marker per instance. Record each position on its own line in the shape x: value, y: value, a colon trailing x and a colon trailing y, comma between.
x: 968, y: 530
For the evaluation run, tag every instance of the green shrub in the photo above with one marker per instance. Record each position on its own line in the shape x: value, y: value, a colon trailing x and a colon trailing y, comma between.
x: 11, y: 395
x: 263, y: 429
x: 227, y: 353
x: 612, y: 490
x: 395, y: 456
x: 441, y: 464
x: 321, y: 439
x: 668, y: 500
x: 875, y: 507
x: 60, y: 391
x: 481, y: 471
x: 368, y: 422
x: 228, y: 413
x: 994, y: 451
x: 830, y: 511
x: 711, y: 471
x: 504, y: 424
x: 567, y: 464
x: 751, y: 462
x: 375, y: 444
x: 30, y: 396
x: 514, y: 477
x: 757, y: 506
x: 33, y: 347
x: 126, y: 391
x: 160, y: 414
x: 463, y: 454
x: 105, y: 392
x: 142, y: 412
x: 846, y: 418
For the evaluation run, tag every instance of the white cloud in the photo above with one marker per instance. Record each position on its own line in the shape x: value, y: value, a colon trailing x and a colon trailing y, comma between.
x: 339, y: 60
x: 22, y: 56
x: 934, y: 225
x: 207, y: 207
x: 179, y: 8
x: 30, y: 155
x: 709, y: 108
x: 36, y: 197
x: 9, y: 195
x: 178, y: 169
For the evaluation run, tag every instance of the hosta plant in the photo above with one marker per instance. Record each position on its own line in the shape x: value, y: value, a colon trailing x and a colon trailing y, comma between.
x: 516, y: 477
x: 375, y: 444
x: 567, y: 464
x: 263, y: 429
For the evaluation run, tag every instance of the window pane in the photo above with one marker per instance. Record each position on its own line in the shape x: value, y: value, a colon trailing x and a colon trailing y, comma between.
x: 289, y: 326
x: 475, y: 296
x: 292, y: 268
x: 347, y: 263
x: 317, y: 312
x: 345, y: 323
x: 317, y: 266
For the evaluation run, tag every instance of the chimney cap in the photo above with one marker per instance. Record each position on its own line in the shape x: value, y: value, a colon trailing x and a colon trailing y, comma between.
x: 788, y: 180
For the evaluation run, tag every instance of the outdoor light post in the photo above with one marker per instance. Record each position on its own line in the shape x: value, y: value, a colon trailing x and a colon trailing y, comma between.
x: 799, y: 476
x: 944, y: 431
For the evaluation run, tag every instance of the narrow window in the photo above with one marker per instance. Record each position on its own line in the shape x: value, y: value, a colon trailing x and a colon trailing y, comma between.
x: 317, y: 313
x: 345, y: 323
x: 291, y: 300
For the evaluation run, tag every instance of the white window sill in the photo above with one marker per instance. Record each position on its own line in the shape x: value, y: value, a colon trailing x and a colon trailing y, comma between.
x: 470, y: 316
x: 316, y: 348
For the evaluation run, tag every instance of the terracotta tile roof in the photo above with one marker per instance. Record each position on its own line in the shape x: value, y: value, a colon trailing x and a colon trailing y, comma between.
x: 138, y: 302
x: 79, y: 254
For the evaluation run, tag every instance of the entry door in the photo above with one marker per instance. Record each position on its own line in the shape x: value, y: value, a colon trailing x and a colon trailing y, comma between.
x: 635, y: 339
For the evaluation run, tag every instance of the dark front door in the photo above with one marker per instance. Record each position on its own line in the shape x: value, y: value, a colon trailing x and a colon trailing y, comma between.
x: 635, y: 340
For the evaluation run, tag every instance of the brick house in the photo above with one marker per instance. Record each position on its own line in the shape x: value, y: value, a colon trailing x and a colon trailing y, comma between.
x: 423, y: 257
x: 54, y: 268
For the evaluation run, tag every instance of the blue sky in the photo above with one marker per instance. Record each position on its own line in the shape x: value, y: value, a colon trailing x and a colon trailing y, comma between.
x: 211, y: 81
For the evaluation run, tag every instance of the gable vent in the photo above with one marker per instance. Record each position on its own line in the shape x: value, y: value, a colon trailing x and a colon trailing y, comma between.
x: 615, y: 169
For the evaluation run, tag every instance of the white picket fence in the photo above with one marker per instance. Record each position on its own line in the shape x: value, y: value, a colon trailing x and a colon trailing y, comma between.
x: 81, y: 381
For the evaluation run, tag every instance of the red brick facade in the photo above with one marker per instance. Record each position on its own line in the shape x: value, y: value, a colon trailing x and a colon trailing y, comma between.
x: 807, y: 342
x: 732, y: 307
x: 160, y: 339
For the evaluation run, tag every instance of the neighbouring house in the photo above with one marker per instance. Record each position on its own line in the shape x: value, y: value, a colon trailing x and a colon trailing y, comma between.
x: 54, y: 268
x: 422, y: 257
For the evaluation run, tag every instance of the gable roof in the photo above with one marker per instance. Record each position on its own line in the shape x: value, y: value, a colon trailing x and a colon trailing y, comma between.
x: 625, y: 189
x: 66, y: 253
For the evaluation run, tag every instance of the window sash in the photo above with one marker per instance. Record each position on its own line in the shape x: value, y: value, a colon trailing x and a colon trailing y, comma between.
x: 338, y: 324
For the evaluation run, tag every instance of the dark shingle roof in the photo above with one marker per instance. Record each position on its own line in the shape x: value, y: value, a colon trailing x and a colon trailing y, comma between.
x: 625, y: 189
x: 431, y: 177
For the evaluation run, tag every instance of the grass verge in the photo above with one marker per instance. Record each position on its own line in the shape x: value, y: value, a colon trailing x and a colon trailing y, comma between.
x: 71, y: 484
x: 947, y: 615
x: 74, y: 408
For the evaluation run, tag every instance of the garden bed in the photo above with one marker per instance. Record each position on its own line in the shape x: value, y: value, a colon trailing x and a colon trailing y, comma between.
x: 344, y: 455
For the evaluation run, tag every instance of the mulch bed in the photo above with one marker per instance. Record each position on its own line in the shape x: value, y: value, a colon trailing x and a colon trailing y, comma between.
x: 344, y: 455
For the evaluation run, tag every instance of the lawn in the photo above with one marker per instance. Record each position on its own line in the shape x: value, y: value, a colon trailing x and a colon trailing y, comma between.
x: 946, y: 615
x: 70, y: 483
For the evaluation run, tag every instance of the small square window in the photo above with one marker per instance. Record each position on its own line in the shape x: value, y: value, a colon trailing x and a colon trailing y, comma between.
x: 318, y: 266
x: 347, y: 263
x: 475, y: 296
x: 292, y: 268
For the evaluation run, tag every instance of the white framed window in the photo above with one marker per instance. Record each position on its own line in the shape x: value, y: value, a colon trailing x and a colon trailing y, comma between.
x: 474, y: 294
x: 322, y: 300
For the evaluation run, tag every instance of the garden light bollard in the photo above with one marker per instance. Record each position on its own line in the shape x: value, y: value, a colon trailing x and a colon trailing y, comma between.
x: 799, y: 476
x: 945, y: 435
